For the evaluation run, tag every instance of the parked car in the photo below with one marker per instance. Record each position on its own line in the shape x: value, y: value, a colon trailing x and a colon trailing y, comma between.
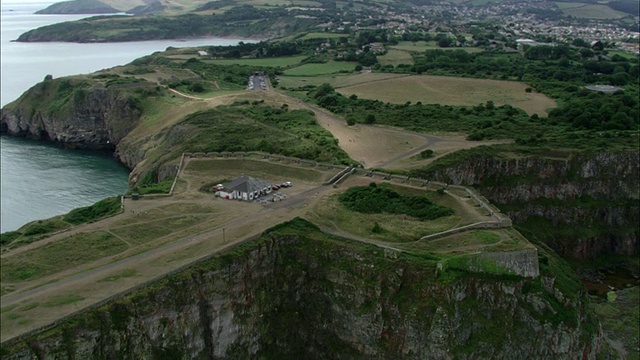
x: 286, y: 184
x: 275, y: 187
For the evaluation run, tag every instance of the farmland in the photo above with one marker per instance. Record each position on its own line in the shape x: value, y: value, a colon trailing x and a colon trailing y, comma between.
x: 336, y: 80
x: 589, y: 11
x: 422, y: 46
x: 314, y: 69
x: 273, y: 62
x: 395, y: 57
x: 322, y: 36
x: 451, y: 91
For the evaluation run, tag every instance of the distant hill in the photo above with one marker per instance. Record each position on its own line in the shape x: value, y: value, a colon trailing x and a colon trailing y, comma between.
x: 154, y: 8
x: 79, y: 7
x: 629, y: 7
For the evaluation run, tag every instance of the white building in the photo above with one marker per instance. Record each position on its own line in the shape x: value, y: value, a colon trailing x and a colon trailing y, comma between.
x: 245, y: 188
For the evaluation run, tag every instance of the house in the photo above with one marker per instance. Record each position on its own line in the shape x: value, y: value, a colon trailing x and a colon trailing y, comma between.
x: 245, y: 188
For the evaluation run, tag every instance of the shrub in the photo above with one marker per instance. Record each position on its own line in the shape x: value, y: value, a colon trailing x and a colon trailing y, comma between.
x: 99, y: 210
x: 9, y: 236
x: 427, y: 154
x: 379, y: 199
x: 40, y: 228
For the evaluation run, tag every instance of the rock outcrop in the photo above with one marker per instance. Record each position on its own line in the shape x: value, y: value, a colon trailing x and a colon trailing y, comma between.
x: 73, y: 113
x: 310, y: 296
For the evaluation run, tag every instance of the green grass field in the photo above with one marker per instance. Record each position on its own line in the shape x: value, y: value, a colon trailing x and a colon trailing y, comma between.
x: 422, y: 46
x: 321, y: 69
x: 452, y: 91
x: 336, y: 80
x: 61, y: 255
x: 156, y: 229
x: 486, y: 240
x: 262, y: 169
x: 590, y: 11
x: 396, y: 57
x: 275, y: 62
x: 395, y: 228
x: 323, y: 36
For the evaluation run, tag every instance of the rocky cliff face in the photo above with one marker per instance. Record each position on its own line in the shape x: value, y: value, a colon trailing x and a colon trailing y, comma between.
x: 72, y: 113
x: 595, y: 196
x: 313, y: 297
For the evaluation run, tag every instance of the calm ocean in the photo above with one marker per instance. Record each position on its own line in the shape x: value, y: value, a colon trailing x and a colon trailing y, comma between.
x: 38, y: 180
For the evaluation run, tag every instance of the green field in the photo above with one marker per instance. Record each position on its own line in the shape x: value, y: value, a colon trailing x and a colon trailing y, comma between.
x: 589, y: 11
x: 487, y: 240
x: 314, y: 69
x: 452, y: 91
x: 61, y: 255
x: 323, y: 36
x: 336, y: 80
x: 395, y: 57
x: 395, y: 228
x: 154, y: 230
x: 422, y: 46
x: 263, y: 169
x: 274, y: 62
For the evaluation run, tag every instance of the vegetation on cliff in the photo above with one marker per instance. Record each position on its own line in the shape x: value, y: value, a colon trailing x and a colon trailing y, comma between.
x: 40, y: 229
x: 299, y: 293
x: 249, y: 127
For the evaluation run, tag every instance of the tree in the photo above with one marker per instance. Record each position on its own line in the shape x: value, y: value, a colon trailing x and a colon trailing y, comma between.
x: 444, y: 42
x: 323, y: 90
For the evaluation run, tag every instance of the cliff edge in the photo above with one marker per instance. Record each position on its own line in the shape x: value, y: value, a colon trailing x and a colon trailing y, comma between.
x: 299, y: 293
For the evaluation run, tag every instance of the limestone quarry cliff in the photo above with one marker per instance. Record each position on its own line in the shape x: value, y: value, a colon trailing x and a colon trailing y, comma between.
x: 593, y: 196
x: 297, y: 293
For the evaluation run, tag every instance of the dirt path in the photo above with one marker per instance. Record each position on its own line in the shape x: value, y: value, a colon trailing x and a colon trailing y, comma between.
x: 184, y: 95
x: 376, y: 146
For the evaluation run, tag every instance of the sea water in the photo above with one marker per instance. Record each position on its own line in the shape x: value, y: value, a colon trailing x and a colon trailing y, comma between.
x: 39, y: 180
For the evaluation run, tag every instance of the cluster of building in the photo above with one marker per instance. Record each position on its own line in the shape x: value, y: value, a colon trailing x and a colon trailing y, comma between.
x: 516, y: 19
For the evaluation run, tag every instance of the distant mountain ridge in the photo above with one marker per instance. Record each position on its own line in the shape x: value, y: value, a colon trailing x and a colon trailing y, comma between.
x: 135, y: 7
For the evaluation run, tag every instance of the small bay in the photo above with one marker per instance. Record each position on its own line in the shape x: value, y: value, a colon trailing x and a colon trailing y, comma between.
x: 40, y: 180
